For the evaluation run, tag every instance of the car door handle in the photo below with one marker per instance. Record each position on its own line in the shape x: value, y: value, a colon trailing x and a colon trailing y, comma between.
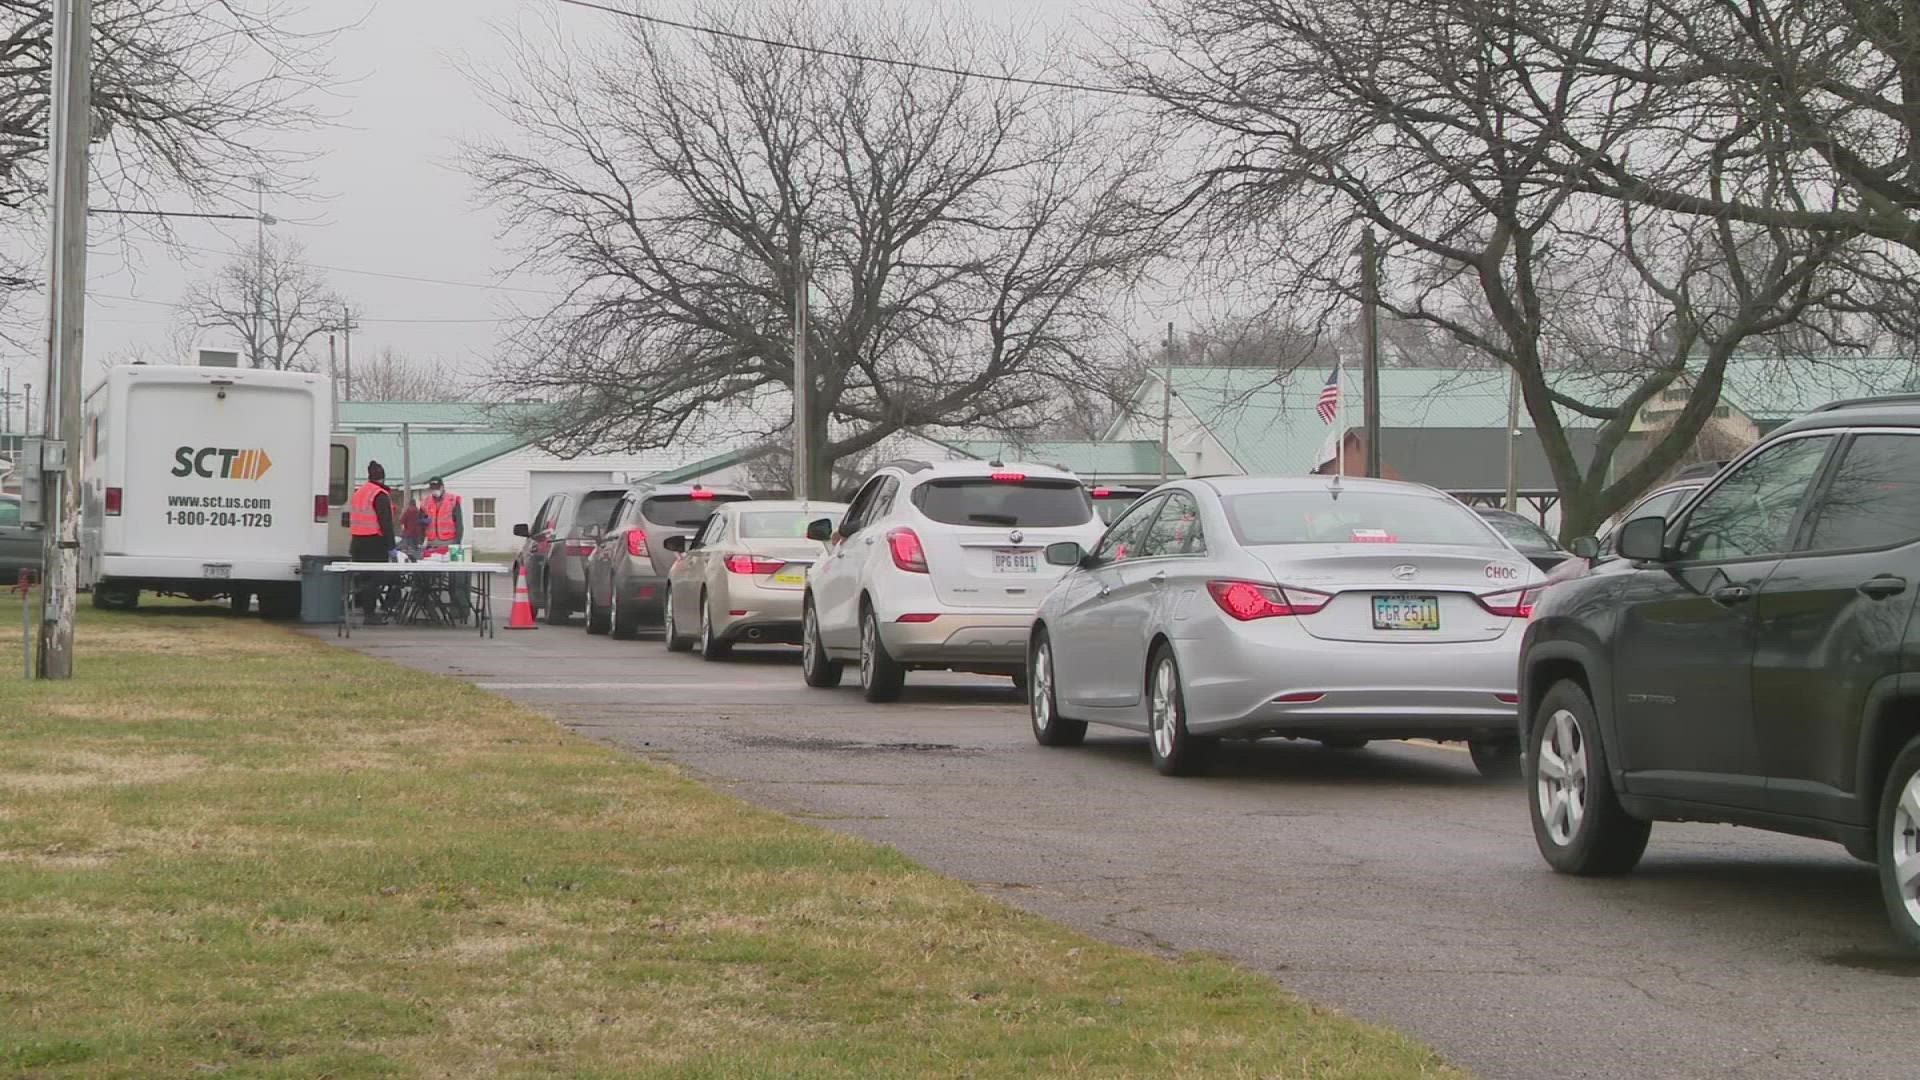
x: 1879, y: 588
x: 1158, y: 579
x: 1106, y: 590
x: 1729, y: 595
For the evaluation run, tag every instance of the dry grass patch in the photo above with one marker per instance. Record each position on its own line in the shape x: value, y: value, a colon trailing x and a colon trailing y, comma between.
x: 280, y: 865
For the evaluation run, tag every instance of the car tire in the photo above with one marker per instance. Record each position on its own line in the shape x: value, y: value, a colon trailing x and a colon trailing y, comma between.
x: 598, y: 622
x: 1043, y: 706
x: 1497, y: 759
x: 115, y: 598
x: 821, y: 671
x: 711, y: 647
x: 1343, y: 742
x: 881, y: 676
x: 670, y: 633
x: 1176, y: 751
x: 1899, y: 833
x: 1578, y: 822
x: 556, y: 609
x: 625, y: 624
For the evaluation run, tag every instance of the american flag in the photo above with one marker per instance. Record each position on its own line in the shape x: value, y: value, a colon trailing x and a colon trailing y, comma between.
x: 1329, y: 406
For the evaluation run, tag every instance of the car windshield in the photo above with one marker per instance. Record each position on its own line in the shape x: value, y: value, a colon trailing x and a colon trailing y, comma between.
x: 1005, y: 503
x: 782, y: 524
x: 683, y: 511
x: 596, y: 509
x: 1353, y: 517
x: 1111, y: 507
x: 1522, y: 533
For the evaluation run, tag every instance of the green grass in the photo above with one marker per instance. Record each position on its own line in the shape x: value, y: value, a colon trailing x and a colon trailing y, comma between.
x: 225, y: 848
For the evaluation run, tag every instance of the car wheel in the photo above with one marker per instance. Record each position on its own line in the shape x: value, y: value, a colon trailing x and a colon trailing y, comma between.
x: 820, y: 670
x: 1899, y: 833
x: 1497, y: 759
x: 1578, y: 822
x: 626, y: 624
x: 556, y: 607
x: 1049, y: 727
x: 1176, y: 752
x: 881, y: 676
x: 597, y: 621
x: 711, y: 647
x: 1343, y: 742
x: 670, y: 632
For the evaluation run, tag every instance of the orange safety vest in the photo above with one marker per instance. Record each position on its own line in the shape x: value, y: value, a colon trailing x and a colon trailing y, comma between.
x: 440, y: 526
x: 361, y: 518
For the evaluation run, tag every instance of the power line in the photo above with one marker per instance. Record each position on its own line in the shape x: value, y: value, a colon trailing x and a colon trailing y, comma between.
x: 171, y: 214
x: 357, y: 319
x: 396, y: 277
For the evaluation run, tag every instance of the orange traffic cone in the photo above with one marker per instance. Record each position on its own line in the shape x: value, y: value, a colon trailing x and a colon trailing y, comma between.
x: 521, y: 618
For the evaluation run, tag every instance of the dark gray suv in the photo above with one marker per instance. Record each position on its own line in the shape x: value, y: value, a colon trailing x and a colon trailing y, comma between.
x: 1751, y: 658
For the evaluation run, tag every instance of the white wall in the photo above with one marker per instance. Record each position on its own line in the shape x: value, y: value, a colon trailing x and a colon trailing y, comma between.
x: 507, y: 479
x: 1189, y: 441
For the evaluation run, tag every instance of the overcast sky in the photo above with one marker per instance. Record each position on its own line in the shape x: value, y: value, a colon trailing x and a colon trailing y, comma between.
x: 395, y: 201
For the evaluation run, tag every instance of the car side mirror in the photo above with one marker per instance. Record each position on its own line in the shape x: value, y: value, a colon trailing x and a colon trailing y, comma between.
x: 1644, y: 539
x: 820, y: 530
x: 520, y: 531
x: 1065, y: 553
x: 1585, y: 547
x: 676, y: 544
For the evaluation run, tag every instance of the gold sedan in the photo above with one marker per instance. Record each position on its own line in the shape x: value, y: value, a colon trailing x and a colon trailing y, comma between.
x: 742, y: 577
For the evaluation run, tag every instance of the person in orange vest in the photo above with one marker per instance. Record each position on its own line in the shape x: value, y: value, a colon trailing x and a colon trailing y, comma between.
x: 446, y: 520
x: 370, y: 525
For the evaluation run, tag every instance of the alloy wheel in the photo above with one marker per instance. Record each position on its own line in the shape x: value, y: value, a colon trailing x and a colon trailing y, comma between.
x: 668, y: 631
x: 1040, y: 687
x: 1562, y: 770
x: 867, y: 634
x: 706, y: 626
x: 1164, y: 709
x: 1905, y: 838
x: 809, y: 641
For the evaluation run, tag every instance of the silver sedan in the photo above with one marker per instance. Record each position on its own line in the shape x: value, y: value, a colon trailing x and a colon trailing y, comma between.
x: 742, y: 577
x: 1337, y: 610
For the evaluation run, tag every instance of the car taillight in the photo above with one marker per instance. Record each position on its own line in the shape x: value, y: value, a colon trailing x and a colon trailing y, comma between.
x: 1008, y: 478
x: 636, y: 541
x: 1246, y: 600
x: 113, y: 502
x: 747, y: 564
x: 321, y: 508
x: 1102, y: 493
x: 908, y: 555
x: 1513, y: 603
x: 699, y: 493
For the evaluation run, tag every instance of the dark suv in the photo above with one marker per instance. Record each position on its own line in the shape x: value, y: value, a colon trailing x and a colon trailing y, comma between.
x: 1750, y: 659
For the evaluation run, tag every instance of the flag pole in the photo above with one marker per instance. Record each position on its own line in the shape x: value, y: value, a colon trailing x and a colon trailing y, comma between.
x: 1340, y: 419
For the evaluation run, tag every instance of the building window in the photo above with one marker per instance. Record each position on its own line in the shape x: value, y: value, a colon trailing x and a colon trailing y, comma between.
x: 483, y: 513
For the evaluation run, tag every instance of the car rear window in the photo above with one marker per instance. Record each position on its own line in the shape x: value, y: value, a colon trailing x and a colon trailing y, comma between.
x: 1112, y: 506
x: 1319, y: 517
x: 1522, y: 533
x: 683, y: 511
x: 596, y: 510
x: 979, y: 500
x: 781, y: 524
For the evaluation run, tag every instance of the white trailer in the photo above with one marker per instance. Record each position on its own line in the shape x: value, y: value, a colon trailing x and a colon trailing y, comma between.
x: 208, y: 482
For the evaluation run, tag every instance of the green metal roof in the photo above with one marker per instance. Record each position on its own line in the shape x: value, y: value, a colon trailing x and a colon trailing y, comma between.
x: 494, y: 415
x: 1086, y: 458
x: 706, y: 465
x: 1772, y: 390
x: 432, y: 453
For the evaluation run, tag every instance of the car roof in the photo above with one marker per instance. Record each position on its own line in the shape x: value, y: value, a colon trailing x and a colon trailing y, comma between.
x: 652, y: 490
x: 1243, y: 485
x: 821, y: 505
x: 936, y: 470
x: 1891, y: 410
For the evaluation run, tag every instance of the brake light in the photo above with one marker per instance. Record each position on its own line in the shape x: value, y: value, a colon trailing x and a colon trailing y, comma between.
x: 1246, y: 600
x: 699, y: 493
x: 1102, y: 493
x: 747, y: 564
x: 581, y: 548
x: 636, y: 541
x: 321, y: 508
x: 1513, y: 603
x: 1009, y: 478
x: 113, y: 502
x: 908, y: 555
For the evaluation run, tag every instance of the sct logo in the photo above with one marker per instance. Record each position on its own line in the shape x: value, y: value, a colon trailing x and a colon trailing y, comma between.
x: 216, y: 463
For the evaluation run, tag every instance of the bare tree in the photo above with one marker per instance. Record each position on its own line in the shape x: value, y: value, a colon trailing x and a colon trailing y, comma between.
x: 964, y: 237
x: 188, y: 96
x: 393, y: 376
x: 1438, y: 125
x: 270, y: 301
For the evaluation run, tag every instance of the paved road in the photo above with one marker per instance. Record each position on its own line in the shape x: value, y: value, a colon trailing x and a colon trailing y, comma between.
x: 1391, y: 882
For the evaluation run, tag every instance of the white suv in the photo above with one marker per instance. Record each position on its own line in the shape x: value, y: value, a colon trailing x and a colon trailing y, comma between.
x: 938, y: 566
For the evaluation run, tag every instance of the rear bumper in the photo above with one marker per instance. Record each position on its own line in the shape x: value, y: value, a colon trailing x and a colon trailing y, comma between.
x: 986, y: 640
x: 771, y: 615
x: 158, y: 569
x: 644, y: 594
x: 1372, y: 690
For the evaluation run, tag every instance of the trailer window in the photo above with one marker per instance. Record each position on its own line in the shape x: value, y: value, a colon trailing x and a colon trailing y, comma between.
x: 339, y: 474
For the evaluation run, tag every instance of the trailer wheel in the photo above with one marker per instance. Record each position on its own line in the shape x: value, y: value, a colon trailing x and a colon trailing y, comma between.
x: 115, y: 598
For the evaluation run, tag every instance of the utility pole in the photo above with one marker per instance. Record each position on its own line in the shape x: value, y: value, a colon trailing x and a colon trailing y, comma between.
x: 1513, y: 439
x: 802, y: 383
x: 333, y: 380
x: 1166, y: 407
x: 60, y: 452
x: 26, y: 409
x: 346, y: 329
x: 1370, y: 344
x: 406, y: 462
x: 259, y: 270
